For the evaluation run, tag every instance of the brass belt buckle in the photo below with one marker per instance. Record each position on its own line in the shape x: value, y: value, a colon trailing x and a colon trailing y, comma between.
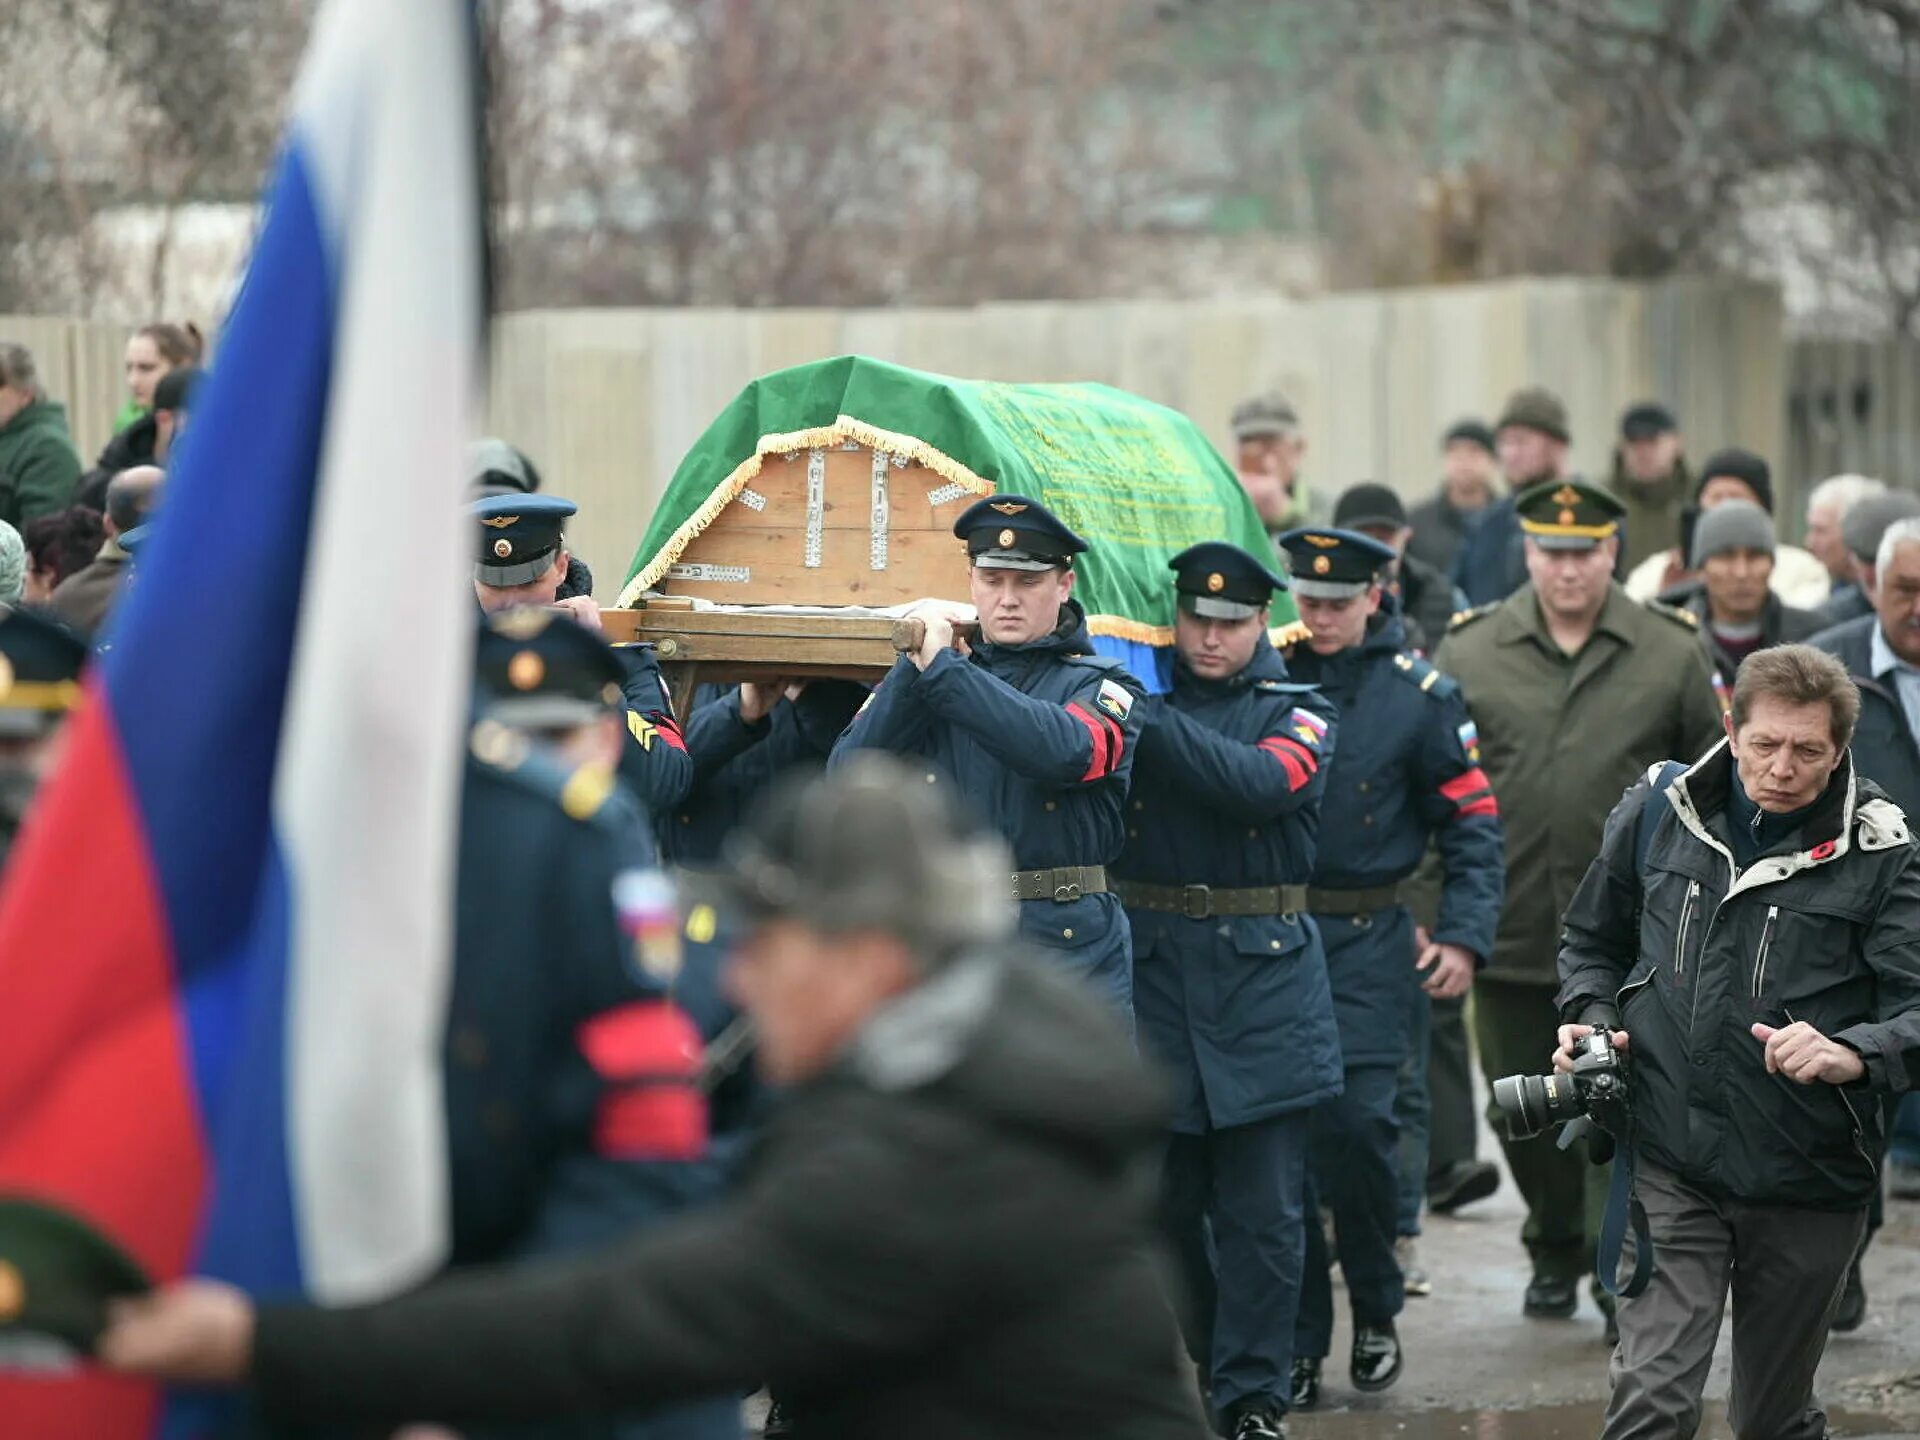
x: 1065, y: 894
x: 1196, y: 901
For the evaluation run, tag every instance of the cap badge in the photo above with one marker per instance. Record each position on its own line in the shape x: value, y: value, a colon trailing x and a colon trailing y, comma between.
x: 526, y: 670
x: 1566, y: 517
x: 503, y: 547
x: 1216, y: 582
x: 1006, y: 536
x: 499, y: 522
x: 1321, y: 564
x: 1322, y: 542
x: 1007, y: 508
x: 1566, y: 495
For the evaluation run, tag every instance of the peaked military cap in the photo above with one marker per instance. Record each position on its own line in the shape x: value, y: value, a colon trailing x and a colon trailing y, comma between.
x: 1218, y: 581
x: 1330, y: 564
x: 518, y: 536
x: 58, y: 1273
x: 541, y: 670
x: 1011, y: 532
x: 40, y: 664
x: 1568, y: 514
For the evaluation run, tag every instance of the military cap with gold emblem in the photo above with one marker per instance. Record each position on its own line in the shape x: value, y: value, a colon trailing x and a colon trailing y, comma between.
x: 1218, y: 581
x: 538, y: 670
x: 1568, y: 514
x: 518, y: 536
x: 58, y: 1274
x: 40, y: 664
x: 1333, y: 564
x: 1011, y: 532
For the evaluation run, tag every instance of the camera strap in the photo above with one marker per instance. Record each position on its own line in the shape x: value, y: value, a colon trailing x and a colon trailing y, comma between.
x: 1623, y: 1209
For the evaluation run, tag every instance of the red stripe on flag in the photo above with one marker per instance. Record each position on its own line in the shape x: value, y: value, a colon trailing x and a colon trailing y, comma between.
x: 1102, y: 744
x: 97, y: 1109
x: 1465, y: 783
x: 1296, y: 757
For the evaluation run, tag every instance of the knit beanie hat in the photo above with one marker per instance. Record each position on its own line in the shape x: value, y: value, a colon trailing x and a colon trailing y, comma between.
x: 1741, y: 465
x: 1736, y: 525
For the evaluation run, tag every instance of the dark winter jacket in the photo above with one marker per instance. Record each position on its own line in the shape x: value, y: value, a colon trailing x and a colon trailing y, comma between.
x: 1780, y: 624
x: 1884, y: 747
x: 946, y: 1236
x: 1428, y: 602
x: 1652, y: 521
x: 1823, y: 927
x: 38, y: 466
x: 1440, y: 528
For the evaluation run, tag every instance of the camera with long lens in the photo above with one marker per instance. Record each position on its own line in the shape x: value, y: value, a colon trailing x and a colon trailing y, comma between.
x: 1596, y: 1091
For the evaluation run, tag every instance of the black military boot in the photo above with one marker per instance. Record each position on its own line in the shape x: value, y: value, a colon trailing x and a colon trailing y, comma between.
x: 1306, y: 1383
x: 1257, y: 1419
x: 1376, y: 1360
x: 1461, y: 1183
x: 1549, y: 1297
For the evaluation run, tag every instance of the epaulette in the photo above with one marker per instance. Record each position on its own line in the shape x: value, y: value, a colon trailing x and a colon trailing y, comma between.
x: 1098, y: 662
x: 1674, y: 613
x: 1422, y: 676
x: 1463, y: 618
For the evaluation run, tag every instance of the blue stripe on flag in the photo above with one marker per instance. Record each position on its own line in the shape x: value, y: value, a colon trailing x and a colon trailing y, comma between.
x: 1151, y: 665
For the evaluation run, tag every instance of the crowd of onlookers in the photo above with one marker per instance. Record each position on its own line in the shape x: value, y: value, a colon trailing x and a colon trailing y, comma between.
x: 62, y: 522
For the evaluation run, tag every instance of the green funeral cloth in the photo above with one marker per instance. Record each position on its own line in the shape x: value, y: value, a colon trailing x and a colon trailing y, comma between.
x: 1137, y: 481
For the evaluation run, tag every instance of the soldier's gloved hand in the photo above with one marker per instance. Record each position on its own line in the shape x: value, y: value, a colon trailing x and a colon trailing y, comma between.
x: 1449, y: 970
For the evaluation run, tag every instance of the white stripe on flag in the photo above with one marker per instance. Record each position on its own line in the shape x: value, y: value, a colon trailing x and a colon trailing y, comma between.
x: 368, y: 790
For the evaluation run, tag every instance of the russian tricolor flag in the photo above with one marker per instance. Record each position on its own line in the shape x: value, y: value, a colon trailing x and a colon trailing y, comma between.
x: 225, y: 936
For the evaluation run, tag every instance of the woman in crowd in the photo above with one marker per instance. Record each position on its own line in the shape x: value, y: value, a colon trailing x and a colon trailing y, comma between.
x: 57, y: 546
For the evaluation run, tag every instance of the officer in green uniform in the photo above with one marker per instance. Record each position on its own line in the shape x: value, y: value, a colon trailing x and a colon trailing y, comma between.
x: 1574, y: 690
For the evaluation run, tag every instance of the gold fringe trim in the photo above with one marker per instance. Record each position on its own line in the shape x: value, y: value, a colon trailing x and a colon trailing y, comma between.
x: 844, y: 429
x: 1118, y: 627
x: 1290, y: 634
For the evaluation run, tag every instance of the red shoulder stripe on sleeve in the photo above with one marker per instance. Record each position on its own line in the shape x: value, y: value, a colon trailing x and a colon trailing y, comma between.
x: 669, y: 729
x: 1102, y: 743
x: 1297, y: 759
x: 1466, y: 783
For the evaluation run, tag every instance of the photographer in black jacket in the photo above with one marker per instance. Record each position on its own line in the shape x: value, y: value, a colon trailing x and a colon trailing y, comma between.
x: 944, y: 1233
x: 1757, y: 950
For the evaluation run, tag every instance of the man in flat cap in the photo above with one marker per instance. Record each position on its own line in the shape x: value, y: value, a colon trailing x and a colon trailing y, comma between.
x: 1229, y: 981
x: 1268, y: 449
x: 1027, y: 722
x: 1469, y: 486
x: 522, y: 562
x: 40, y: 665
x: 1574, y: 690
x: 1532, y: 437
x: 1650, y: 479
x: 947, y: 1232
x: 1408, y: 776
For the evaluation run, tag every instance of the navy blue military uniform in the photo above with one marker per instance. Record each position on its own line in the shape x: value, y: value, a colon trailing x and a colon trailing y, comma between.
x: 518, y: 536
x: 1409, y: 774
x: 1039, y: 739
x: 573, y: 1110
x: 1230, y: 985
x: 734, y: 761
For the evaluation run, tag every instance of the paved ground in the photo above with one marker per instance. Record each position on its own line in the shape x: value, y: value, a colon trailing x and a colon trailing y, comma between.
x: 1477, y: 1367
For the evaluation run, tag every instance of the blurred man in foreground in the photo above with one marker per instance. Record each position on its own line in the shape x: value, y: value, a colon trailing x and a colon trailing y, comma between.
x: 946, y: 1232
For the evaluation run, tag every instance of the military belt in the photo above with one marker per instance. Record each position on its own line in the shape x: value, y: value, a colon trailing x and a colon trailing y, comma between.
x: 1203, y: 902
x: 1065, y: 884
x: 1354, y: 902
